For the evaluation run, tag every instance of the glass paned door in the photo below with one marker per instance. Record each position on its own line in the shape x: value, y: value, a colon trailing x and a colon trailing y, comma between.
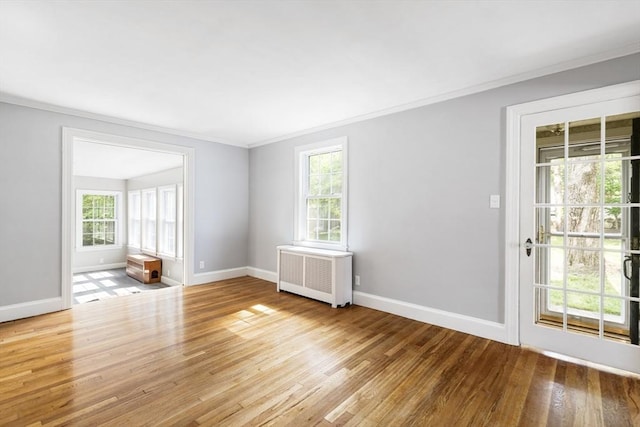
x: 583, y: 219
x: 579, y: 285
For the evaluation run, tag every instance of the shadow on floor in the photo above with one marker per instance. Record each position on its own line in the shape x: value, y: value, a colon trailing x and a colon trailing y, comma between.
x: 98, y: 285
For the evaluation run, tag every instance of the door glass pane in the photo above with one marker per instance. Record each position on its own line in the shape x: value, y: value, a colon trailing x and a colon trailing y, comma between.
x: 583, y: 304
x: 551, y: 183
x: 555, y: 271
x: 583, y: 270
x: 583, y: 182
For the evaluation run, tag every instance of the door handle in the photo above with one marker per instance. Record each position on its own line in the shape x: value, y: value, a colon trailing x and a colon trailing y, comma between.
x: 627, y: 260
x: 528, y: 244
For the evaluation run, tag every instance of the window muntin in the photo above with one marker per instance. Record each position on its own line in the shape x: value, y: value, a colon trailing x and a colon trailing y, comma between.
x: 321, y: 206
x: 98, y: 212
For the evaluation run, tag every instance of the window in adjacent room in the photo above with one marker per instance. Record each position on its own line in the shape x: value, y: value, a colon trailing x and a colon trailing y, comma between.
x: 134, y: 219
x: 156, y: 220
x: 167, y: 220
x: 322, y: 189
x: 99, y: 214
x: 148, y: 220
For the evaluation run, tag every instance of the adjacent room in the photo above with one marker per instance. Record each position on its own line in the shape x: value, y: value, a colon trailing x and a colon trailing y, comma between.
x: 127, y: 204
x: 320, y: 213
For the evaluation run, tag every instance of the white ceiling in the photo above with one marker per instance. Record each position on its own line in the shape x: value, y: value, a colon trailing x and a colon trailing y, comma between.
x: 249, y: 72
x: 116, y: 162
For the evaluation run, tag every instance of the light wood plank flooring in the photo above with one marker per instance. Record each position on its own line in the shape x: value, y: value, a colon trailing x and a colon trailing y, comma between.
x: 239, y: 353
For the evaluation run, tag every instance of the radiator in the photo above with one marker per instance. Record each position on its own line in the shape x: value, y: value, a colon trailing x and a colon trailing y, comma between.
x: 320, y: 274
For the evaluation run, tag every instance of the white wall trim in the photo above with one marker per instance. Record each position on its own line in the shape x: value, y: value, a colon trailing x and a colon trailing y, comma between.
x: 467, y: 324
x: 214, y: 276
x: 270, y: 276
x: 514, y: 115
x: 99, y: 267
x: 169, y: 281
x: 512, y: 228
x: 557, y: 68
x: 67, y: 240
x: 31, y: 308
x: 458, y: 322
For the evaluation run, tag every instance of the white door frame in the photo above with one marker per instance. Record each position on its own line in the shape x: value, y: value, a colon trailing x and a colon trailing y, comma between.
x: 513, y: 246
x: 69, y: 135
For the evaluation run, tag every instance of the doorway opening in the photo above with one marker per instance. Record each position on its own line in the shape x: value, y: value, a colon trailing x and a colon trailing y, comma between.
x: 123, y: 198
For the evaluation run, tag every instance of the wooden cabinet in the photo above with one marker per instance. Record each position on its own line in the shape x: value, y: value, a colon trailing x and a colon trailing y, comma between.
x: 144, y: 268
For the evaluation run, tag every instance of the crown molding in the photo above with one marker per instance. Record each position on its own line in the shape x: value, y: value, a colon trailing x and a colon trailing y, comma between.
x: 563, y: 66
x: 31, y: 103
x: 516, y: 78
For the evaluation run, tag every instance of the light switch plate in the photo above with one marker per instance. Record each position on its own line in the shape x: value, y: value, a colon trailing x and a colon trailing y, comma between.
x: 494, y: 201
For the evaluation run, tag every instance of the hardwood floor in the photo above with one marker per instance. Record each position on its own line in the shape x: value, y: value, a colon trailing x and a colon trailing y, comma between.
x: 239, y: 353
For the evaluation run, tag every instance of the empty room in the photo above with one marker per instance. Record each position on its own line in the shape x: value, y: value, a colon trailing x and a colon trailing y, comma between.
x: 349, y: 212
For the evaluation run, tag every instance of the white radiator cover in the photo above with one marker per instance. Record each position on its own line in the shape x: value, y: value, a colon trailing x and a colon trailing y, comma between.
x: 320, y: 274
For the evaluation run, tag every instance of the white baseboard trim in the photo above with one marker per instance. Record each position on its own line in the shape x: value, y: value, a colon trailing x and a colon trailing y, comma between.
x: 31, y: 308
x: 270, y: 276
x: 169, y: 281
x: 99, y: 267
x: 214, y: 276
x: 458, y: 322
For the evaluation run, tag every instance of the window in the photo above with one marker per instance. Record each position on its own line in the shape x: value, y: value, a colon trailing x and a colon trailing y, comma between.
x: 167, y: 220
x: 149, y: 220
x: 322, y: 194
x: 156, y: 220
x: 99, y: 215
x: 180, y: 220
x: 134, y: 219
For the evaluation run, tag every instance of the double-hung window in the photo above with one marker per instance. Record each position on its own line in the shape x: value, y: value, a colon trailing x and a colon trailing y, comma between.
x: 99, y: 213
x: 148, y: 220
x: 321, y: 217
x: 167, y: 220
x: 156, y: 220
x: 134, y: 219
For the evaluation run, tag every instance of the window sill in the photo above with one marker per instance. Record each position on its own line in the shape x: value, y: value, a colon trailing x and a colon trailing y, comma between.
x: 321, y: 245
x: 99, y: 248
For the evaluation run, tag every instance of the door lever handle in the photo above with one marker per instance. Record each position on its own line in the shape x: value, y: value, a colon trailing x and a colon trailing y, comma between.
x: 627, y: 260
x: 528, y: 244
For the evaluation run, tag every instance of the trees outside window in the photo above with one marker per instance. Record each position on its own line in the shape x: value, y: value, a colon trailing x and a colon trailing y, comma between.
x: 99, y: 218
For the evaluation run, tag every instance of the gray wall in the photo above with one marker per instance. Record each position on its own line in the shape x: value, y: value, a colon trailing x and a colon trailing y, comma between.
x: 419, y: 185
x: 30, y: 182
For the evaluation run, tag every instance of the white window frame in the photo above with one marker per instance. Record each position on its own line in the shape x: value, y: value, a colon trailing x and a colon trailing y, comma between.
x: 79, y: 219
x: 302, y: 154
